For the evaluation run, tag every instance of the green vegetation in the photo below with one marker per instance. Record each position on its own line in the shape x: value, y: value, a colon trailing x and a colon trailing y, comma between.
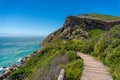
x: 40, y: 66
x: 58, y: 53
x: 74, y: 45
x: 94, y: 33
x: 106, y: 47
x: 105, y: 17
x: 74, y: 70
x: 103, y: 45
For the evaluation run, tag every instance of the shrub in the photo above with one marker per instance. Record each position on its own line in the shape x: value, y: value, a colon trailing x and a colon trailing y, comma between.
x: 72, y: 55
x: 74, y: 45
x: 74, y: 70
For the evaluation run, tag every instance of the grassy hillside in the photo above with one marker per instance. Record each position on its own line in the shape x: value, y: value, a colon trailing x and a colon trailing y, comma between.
x: 53, y: 57
x: 105, y: 47
x: 60, y: 53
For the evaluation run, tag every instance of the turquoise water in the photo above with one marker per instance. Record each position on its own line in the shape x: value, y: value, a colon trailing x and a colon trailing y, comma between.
x: 12, y: 49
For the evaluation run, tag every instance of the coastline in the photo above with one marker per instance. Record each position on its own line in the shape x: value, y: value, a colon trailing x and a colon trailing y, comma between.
x: 5, y: 71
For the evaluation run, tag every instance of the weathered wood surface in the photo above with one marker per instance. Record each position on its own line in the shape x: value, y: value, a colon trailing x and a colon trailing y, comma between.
x: 93, y: 70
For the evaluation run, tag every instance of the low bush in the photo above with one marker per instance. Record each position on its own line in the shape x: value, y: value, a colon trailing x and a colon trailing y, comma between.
x: 74, y: 70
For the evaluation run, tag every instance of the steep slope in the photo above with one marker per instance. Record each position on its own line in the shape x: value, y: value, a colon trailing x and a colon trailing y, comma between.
x: 75, y: 27
x: 85, y: 33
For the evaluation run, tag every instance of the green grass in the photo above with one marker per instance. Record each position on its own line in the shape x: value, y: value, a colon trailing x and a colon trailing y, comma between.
x: 74, y: 45
x: 105, y: 17
x: 106, y: 47
x: 94, y: 32
x: 74, y: 70
x: 30, y: 67
x: 39, y: 66
x: 103, y: 45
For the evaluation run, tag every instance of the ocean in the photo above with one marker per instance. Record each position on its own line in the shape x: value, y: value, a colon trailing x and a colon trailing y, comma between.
x: 12, y: 49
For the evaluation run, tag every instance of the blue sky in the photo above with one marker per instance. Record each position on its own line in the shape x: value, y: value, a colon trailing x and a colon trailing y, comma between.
x: 41, y: 17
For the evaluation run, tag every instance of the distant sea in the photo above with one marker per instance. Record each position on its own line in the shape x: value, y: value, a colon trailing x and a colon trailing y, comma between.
x: 12, y: 49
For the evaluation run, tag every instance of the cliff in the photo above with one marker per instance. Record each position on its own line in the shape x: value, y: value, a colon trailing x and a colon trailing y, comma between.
x: 79, y: 25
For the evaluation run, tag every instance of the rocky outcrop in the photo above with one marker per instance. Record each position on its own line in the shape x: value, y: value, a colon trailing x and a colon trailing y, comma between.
x: 89, y: 22
x: 54, y: 70
x: 78, y: 25
x: 5, y: 74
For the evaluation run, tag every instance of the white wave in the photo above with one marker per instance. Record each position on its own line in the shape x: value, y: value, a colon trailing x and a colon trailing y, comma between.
x: 19, y: 59
x: 7, y: 68
x: 1, y: 69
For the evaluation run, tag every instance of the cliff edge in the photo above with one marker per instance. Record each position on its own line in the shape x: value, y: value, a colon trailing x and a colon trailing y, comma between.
x: 80, y: 24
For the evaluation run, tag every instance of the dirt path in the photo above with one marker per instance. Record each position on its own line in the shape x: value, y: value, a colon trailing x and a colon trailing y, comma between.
x: 93, y: 70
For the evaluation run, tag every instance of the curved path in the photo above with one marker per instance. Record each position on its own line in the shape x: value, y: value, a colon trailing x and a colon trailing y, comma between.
x: 93, y: 70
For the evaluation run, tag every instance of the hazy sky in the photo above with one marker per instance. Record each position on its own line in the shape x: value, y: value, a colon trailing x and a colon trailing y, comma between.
x: 41, y: 17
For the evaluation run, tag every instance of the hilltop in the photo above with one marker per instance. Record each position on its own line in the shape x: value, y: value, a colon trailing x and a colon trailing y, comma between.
x: 94, y: 34
x: 102, y: 17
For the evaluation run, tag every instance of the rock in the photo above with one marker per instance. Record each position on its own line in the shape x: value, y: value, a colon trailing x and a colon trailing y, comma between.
x: 65, y: 32
x: 74, y: 32
x: 14, y: 67
x: 42, y: 44
x: 7, y: 73
x: 68, y: 35
x: 78, y: 57
x: 23, y: 60
x: 71, y: 37
x: 77, y: 31
x: 2, y: 71
x: 81, y: 21
x: 4, y: 67
x: 62, y: 75
x: 1, y: 76
x: 47, y: 40
x: 87, y: 20
x: 5, y: 79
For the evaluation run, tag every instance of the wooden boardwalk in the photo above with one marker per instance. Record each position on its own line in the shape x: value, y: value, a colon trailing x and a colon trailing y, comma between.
x: 93, y: 70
